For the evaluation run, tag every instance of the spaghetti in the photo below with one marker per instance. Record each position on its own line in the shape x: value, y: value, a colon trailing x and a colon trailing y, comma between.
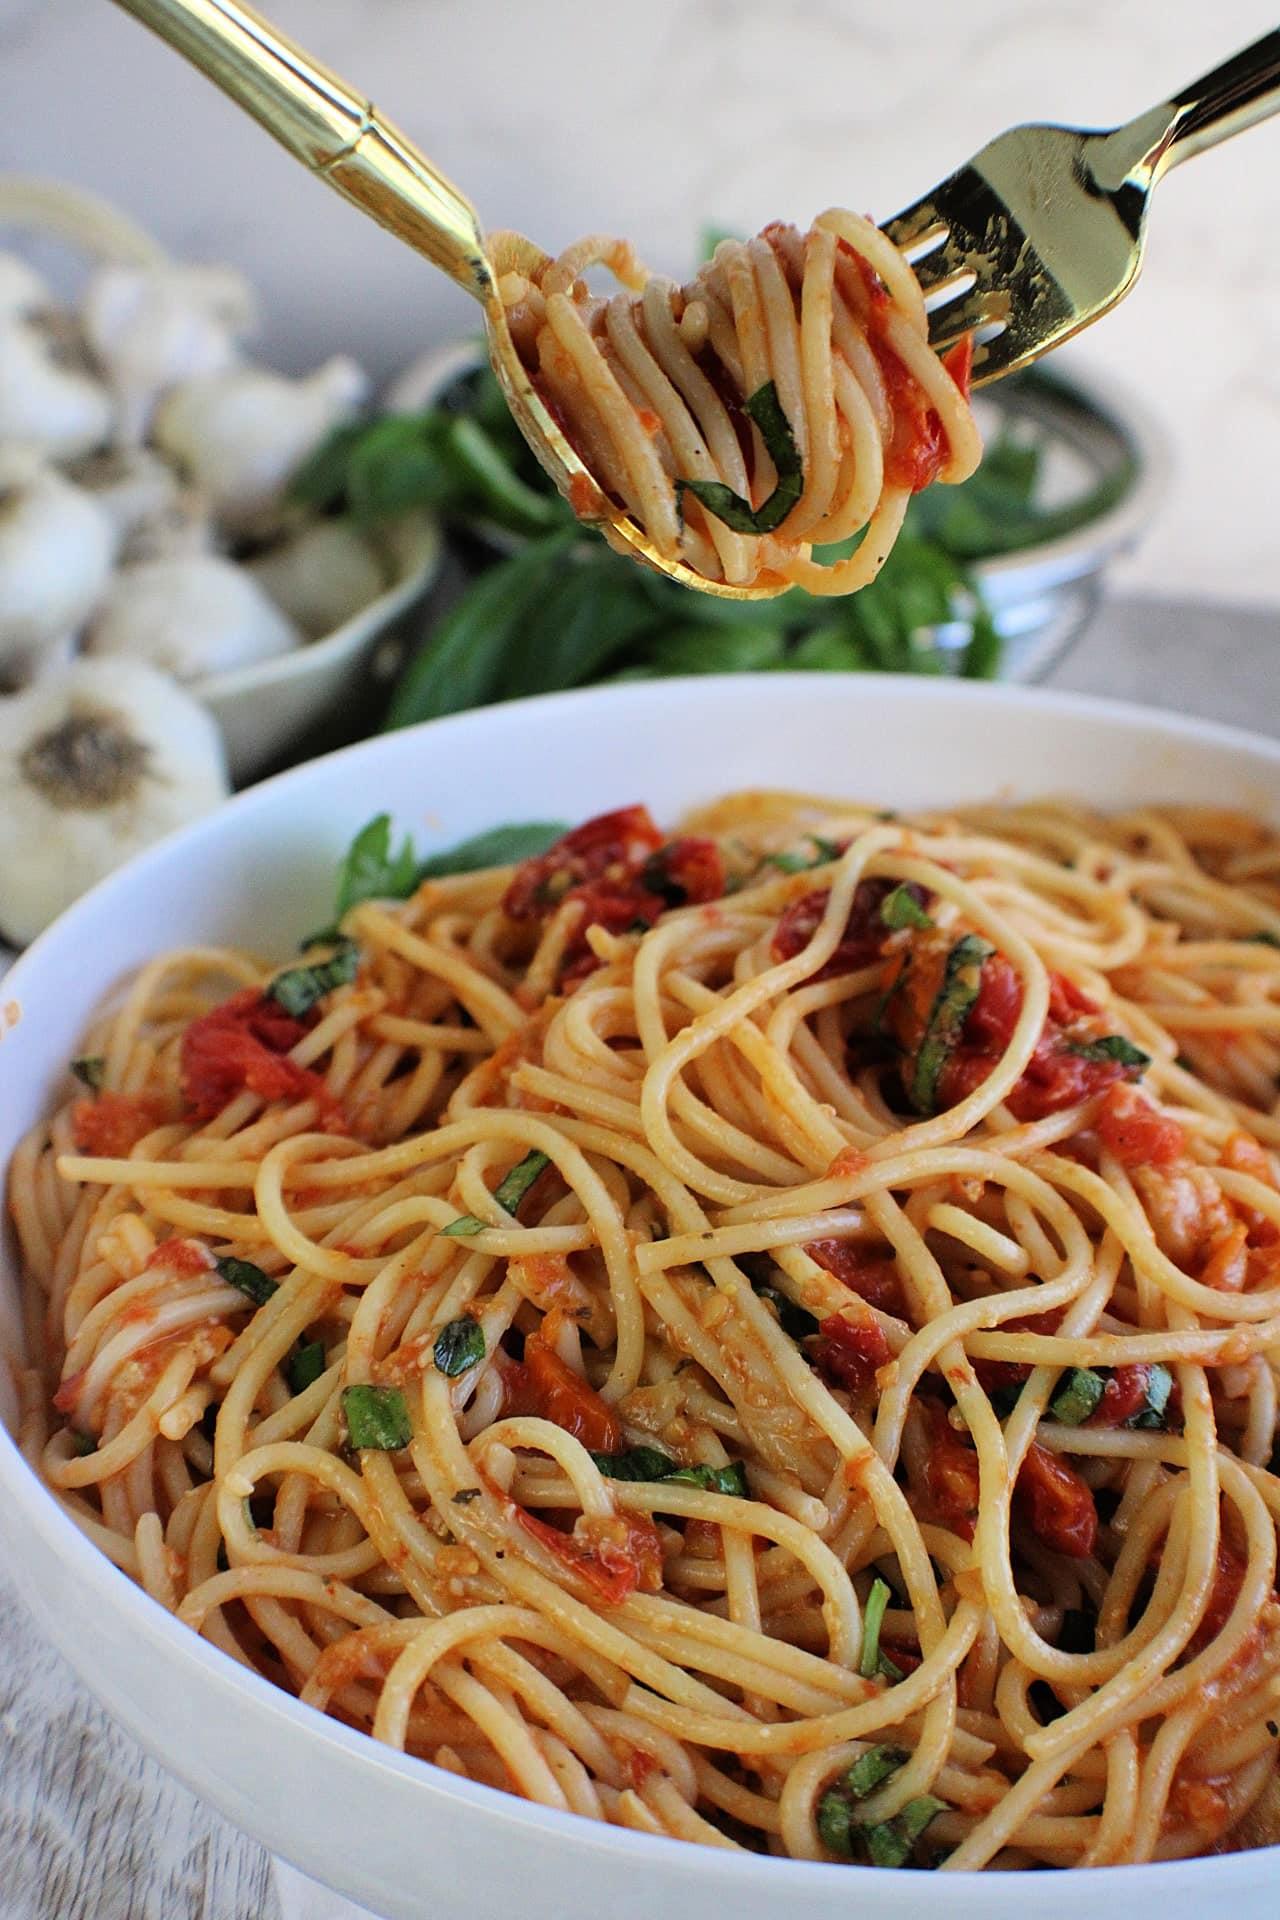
x: 786, y: 398
x: 767, y: 1336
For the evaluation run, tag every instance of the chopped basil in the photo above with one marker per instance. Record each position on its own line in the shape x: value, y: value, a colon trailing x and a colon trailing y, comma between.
x: 650, y: 1463
x: 247, y: 1279
x: 1079, y: 1395
x: 796, y: 1321
x: 298, y: 990
x: 499, y: 847
x: 84, y: 1442
x: 1111, y: 1046
x: 835, y: 1822
x: 508, y: 1193
x: 961, y: 983
x: 305, y: 1365
x: 90, y: 1069
x: 370, y: 871
x: 891, y: 1842
x: 901, y: 909
x: 465, y: 1495
x: 824, y: 852
x: 377, y: 1418
x: 872, y: 1768
x: 1159, y: 1387
x: 1005, y: 1399
x: 1264, y: 938
x: 636, y: 1463
x: 765, y: 409
x: 872, y: 1620
x: 459, y: 1345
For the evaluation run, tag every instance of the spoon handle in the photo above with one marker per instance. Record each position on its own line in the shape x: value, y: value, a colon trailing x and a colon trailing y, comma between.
x: 335, y: 132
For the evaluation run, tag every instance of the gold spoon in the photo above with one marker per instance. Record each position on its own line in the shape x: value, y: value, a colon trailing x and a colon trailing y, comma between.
x: 339, y: 136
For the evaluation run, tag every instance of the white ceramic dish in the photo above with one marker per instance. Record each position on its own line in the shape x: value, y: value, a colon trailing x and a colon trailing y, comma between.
x: 390, y: 1831
x: 260, y: 709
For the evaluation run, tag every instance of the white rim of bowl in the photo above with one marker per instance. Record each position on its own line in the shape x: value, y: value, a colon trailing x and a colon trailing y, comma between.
x: 1003, y: 1893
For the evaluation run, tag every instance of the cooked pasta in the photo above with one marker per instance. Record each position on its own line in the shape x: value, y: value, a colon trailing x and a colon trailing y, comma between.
x: 786, y: 398
x: 767, y: 1336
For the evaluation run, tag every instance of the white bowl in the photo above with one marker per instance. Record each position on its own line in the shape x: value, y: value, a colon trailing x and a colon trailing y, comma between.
x: 389, y: 1830
x: 260, y: 709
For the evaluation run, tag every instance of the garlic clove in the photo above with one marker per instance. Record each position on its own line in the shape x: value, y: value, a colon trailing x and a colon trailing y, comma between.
x: 152, y: 326
x: 321, y: 576
x: 240, y: 435
x: 191, y: 615
x: 23, y: 293
x: 130, y: 484
x: 95, y: 765
x: 182, y: 527
x: 57, y: 546
x: 44, y: 403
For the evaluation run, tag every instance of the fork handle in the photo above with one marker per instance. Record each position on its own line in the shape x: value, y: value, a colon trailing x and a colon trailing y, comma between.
x: 1234, y: 96
x: 335, y: 132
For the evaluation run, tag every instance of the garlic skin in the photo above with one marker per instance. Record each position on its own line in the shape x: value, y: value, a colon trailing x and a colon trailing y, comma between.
x: 94, y: 766
x: 189, y: 615
x: 23, y: 293
x: 152, y: 327
x: 45, y: 403
x: 240, y: 435
x: 57, y: 546
x: 322, y: 576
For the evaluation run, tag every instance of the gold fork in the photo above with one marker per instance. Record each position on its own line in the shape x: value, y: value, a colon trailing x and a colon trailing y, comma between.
x: 1038, y: 235
x: 1042, y: 232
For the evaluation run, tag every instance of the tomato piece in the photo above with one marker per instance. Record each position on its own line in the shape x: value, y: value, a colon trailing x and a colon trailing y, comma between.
x: 1056, y: 1076
x: 544, y: 1385
x: 872, y: 1277
x: 243, y: 1046
x: 864, y: 931
x: 612, y: 1557
x: 918, y: 447
x: 1136, y: 1133
x: 1124, y: 1395
x: 996, y: 1374
x: 688, y: 871
x: 849, y: 1353
x: 951, y: 1474
x: 1058, y: 1504
x: 111, y: 1124
x: 612, y: 846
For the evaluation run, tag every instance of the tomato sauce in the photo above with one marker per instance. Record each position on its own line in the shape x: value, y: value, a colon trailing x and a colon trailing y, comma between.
x: 111, y: 1124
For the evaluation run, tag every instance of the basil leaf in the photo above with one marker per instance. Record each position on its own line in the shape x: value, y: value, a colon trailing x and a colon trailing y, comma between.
x: 1111, y: 1046
x: 901, y: 909
x: 1264, y: 939
x: 509, y: 1192
x: 766, y: 410
x: 247, y: 1279
x: 872, y: 1768
x: 824, y: 852
x: 504, y: 846
x: 459, y: 1346
x: 498, y: 489
x: 465, y: 1495
x: 1079, y: 1395
x: 90, y: 1070
x: 872, y: 1620
x: 298, y: 990
x: 1159, y: 1387
x: 377, y: 1418
x: 794, y: 1320
x: 85, y: 1444
x: 635, y: 1463
x: 370, y: 871
x: 305, y: 1365
x: 891, y: 1843
x: 731, y: 1480
x: 961, y: 983
x: 835, y: 1823
x: 466, y: 662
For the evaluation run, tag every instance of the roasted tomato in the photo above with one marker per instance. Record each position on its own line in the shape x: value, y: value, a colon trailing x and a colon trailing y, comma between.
x: 1057, y: 1504
x: 849, y: 1353
x: 611, y: 1557
x: 864, y: 932
x: 112, y: 1124
x: 951, y: 1473
x: 873, y: 1277
x: 612, y: 847
x: 243, y: 1046
x: 544, y: 1385
x: 1136, y: 1133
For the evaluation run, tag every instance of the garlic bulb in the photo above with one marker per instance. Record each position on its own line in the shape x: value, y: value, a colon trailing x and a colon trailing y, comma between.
x: 190, y: 615
x: 151, y: 327
x: 94, y: 766
x: 46, y: 400
x: 322, y: 575
x: 240, y: 435
x: 56, y: 551
x: 22, y: 292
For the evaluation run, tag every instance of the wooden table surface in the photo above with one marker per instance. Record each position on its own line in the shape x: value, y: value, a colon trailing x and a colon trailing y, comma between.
x: 90, y: 1828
